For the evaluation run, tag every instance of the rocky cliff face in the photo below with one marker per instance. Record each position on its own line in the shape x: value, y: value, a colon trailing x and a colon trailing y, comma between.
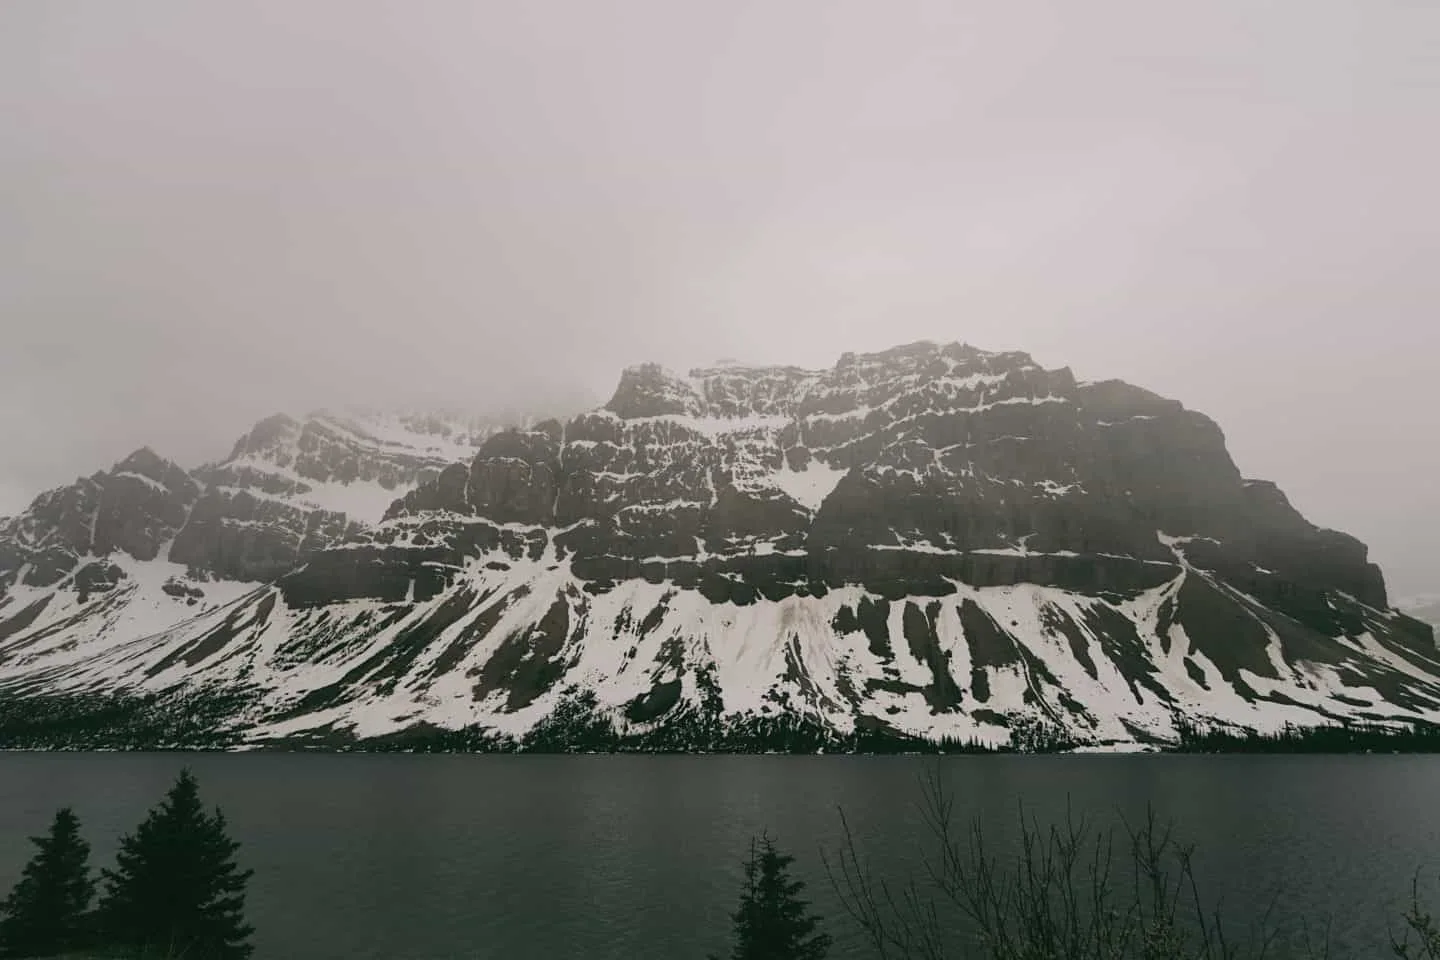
x: 291, y: 488
x: 900, y: 468
x: 136, y: 508
x: 147, y: 544
x: 934, y: 540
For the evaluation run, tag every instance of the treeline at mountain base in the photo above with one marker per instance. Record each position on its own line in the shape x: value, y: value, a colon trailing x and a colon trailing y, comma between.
x: 201, y: 721
x: 1329, y: 738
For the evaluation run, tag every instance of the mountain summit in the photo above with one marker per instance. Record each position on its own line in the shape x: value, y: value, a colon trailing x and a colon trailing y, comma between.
x: 932, y: 541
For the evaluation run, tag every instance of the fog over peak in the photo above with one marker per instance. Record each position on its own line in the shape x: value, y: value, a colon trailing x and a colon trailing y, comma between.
x: 210, y: 213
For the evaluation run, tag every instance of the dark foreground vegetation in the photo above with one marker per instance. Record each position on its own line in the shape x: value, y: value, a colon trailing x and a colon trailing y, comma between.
x: 1069, y: 892
x: 174, y: 891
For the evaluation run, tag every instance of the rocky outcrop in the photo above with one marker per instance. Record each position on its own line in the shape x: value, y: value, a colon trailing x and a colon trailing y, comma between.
x: 238, y: 536
x: 135, y: 508
x: 284, y: 456
x: 289, y: 489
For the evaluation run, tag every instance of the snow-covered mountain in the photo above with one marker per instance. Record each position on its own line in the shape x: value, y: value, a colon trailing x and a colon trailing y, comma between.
x: 134, y: 550
x: 932, y: 540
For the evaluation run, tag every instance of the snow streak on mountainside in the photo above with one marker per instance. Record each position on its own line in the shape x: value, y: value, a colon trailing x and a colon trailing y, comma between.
x: 933, y: 540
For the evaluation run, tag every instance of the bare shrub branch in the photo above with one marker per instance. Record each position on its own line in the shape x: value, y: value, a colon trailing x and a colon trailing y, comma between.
x: 1064, y: 895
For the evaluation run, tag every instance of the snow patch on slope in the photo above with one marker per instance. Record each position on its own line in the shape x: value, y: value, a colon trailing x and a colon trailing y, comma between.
x: 784, y: 656
x: 808, y: 487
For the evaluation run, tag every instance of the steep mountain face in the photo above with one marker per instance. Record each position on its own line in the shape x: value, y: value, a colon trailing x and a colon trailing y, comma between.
x: 291, y: 488
x: 933, y: 540
x: 127, y: 552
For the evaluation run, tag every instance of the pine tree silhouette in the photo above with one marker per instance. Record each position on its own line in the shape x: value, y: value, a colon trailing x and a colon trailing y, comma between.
x: 772, y: 922
x: 176, y: 889
x: 45, y: 913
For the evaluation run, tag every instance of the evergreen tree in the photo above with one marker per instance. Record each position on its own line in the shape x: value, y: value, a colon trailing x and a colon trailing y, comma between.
x: 176, y: 889
x: 772, y: 922
x: 45, y: 913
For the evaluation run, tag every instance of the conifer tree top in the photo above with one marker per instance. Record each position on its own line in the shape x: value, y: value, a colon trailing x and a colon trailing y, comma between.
x: 176, y: 883
x: 772, y: 921
x: 44, y: 914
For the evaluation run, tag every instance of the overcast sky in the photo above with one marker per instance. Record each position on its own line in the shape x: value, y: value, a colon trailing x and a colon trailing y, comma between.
x: 213, y: 211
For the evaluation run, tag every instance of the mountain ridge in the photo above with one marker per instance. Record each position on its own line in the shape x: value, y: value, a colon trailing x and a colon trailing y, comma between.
x: 933, y: 541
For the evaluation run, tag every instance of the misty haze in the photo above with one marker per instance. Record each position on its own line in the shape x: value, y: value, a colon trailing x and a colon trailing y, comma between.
x: 897, y: 390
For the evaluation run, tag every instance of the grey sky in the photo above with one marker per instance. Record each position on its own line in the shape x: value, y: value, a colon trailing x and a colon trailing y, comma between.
x: 209, y: 212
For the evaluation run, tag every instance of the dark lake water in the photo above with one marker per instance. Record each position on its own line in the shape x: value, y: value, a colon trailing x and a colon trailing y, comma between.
x: 636, y: 857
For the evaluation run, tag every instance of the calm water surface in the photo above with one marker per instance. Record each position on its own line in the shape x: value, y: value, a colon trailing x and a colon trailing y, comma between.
x: 633, y: 857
